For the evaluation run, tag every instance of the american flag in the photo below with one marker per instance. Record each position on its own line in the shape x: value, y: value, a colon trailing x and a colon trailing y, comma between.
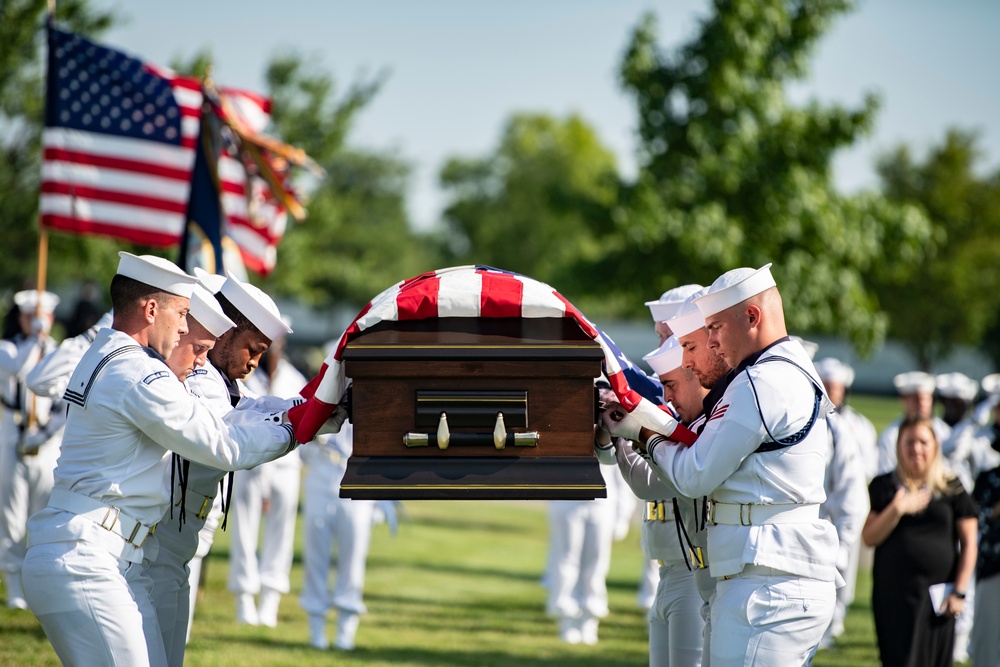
x: 462, y: 291
x: 118, y: 144
x: 119, y: 147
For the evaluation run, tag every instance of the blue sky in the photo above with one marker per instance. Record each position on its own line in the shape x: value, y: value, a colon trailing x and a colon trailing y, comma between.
x: 458, y: 69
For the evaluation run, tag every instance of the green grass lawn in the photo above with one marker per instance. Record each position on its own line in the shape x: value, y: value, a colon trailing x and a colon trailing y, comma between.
x: 458, y: 586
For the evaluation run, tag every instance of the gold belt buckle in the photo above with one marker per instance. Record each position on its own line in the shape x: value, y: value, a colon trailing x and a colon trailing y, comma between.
x: 135, y: 531
x: 117, y: 512
x: 206, y: 505
x: 745, y: 521
x: 697, y: 557
x: 711, y: 512
x: 152, y: 529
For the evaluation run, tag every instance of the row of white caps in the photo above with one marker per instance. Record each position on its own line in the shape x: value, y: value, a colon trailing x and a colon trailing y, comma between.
x: 729, y: 289
x: 164, y: 275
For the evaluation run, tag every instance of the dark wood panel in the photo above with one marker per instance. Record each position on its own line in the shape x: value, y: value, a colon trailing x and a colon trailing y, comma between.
x: 398, y: 478
x: 561, y: 410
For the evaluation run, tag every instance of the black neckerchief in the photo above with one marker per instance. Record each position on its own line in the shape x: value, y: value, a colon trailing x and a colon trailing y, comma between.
x: 153, y: 354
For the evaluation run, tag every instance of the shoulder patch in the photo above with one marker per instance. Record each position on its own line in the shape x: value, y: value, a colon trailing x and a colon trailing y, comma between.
x: 719, y: 412
x: 152, y: 377
x: 198, y: 371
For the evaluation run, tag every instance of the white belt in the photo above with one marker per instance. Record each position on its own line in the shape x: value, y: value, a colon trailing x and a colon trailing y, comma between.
x: 659, y: 510
x: 107, y: 517
x: 753, y: 514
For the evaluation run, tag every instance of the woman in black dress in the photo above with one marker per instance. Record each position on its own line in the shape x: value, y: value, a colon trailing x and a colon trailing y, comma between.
x: 923, y: 527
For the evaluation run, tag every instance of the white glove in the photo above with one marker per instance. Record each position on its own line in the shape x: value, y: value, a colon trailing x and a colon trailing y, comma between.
x: 32, y: 440
x: 620, y: 423
x: 249, y: 416
x: 335, y: 422
x: 40, y: 325
x: 653, y: 418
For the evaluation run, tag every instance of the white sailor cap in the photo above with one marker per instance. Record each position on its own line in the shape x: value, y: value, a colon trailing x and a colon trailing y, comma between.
x: 956, y: 385
x: 688, y: 318
x: 256, y: 306
x: 734, y: 287
x: 835, y: 371
x: 27, y: 301
x: 666, y: 306
x: 810, y: 347
x: 914, y: 382
x: 665, y: 358
x: 156, y: 272
x: 206, y: 309
x: 210, y: 281
x: 991, y: 383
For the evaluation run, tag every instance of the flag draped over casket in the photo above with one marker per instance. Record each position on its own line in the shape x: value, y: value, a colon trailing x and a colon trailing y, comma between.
x: 464, y: 291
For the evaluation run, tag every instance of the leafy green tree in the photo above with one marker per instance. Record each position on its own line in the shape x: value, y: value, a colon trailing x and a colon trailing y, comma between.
x: 536, y: 204
x: 952, y: 296
x: 22, y: 104
x: 356, y: 240
x: 732, y: 174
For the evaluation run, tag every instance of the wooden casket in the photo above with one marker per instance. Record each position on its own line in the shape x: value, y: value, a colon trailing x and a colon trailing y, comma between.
x: 473, y: 408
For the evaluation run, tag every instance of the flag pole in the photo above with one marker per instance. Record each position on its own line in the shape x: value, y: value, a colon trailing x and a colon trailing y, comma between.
x: 43, y: 264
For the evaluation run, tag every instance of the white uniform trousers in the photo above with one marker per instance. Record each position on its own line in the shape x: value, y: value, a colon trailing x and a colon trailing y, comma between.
x: 580, y: 536
x: 676, y: 625
x: 330, y: 520
x: 649, y: 579
x: 206, y: 537
x: 985, y: 644
x: 247, y: 572
x: 94, y: 607
x: 765, y: 618
x: 175, y: 582
x: 24, y: 491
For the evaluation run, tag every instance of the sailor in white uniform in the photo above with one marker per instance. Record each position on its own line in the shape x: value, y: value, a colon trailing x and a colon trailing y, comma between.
x: 195, y: 484
x: 676, y: 625
x: 846, y: 483
x: 916, y: 391
x: 128, y: 412
x: 30, y: 434
x: 661, y: 310
x: 331, y: 523
x: 276, y: 485
x: 761, y: 458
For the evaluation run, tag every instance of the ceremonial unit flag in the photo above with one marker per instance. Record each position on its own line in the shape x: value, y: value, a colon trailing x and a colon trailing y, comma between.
x: 118, y: 143
x: 463, y: 291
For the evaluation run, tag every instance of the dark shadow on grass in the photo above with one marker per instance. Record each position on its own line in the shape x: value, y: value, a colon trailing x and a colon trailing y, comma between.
x: 581, y: 656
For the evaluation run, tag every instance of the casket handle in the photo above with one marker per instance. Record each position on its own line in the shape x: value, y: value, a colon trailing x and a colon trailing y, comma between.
x: 500, y: 437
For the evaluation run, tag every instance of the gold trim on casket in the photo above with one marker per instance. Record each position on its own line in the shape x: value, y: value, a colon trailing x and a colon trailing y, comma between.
x: 485, y: 408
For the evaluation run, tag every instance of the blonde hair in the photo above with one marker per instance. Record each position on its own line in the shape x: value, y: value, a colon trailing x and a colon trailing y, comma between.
x: 938, y: 477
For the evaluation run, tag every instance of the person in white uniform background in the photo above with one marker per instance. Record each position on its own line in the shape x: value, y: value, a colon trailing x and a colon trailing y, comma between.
x: 838, y: 377
x: 846, y: 482
x: 331, y: 522
x: 846, y: 507
x: 982, y: 414
x: 580, y: 537
x: 661, y: 310
x: 269, y: 492
x: 128, y: 411
x: 761, y: 458
x: 30, y: 434
x: 956, y: 393
x: 916, y: 391
x: 195, y: 485
x: 676, y: 625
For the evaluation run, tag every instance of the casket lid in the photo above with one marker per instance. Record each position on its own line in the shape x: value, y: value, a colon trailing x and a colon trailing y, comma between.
x: 472, y: 337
